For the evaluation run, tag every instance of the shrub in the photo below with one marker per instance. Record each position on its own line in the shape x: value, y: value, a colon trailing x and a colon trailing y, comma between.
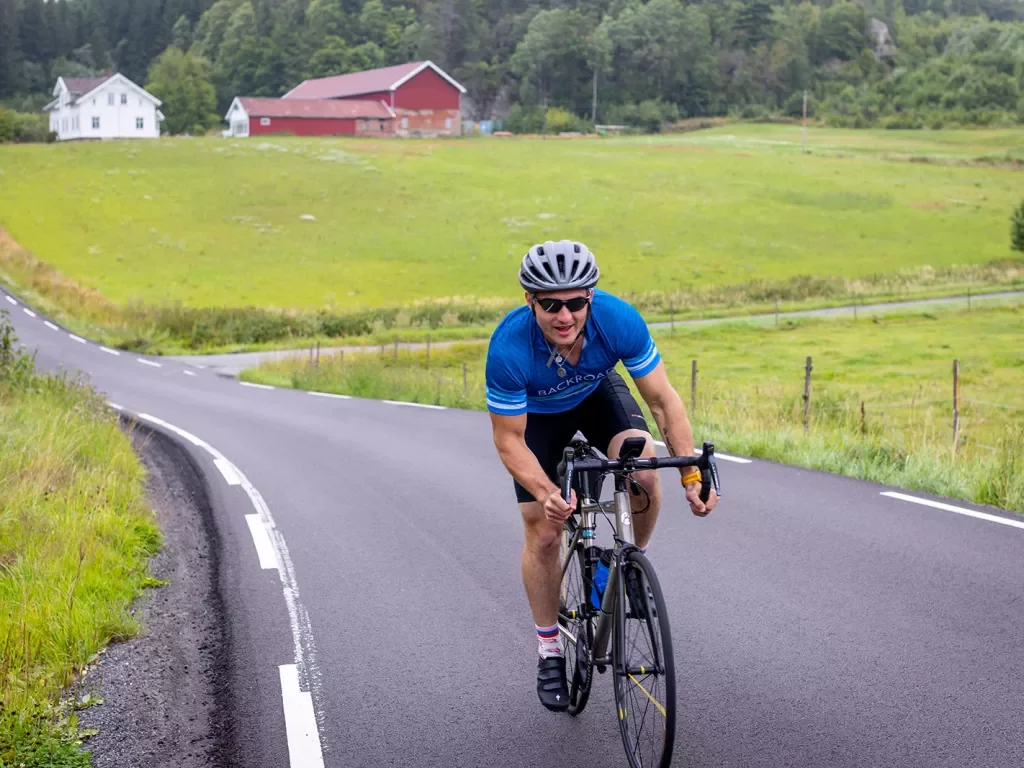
x: 649, y: 116
x: 1017, y: 229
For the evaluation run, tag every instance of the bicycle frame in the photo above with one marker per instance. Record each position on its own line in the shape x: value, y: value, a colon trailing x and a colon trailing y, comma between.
x: 588, y: 508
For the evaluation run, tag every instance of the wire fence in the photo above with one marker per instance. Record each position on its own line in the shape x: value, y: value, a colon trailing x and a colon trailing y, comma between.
x: 456, y: 378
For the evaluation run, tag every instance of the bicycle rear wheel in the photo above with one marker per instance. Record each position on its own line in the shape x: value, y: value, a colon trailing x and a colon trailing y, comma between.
x: 644, y: 669
x: 574, y: 619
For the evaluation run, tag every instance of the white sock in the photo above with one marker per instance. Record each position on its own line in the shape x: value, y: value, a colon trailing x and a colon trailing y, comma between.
x: 550, y: 641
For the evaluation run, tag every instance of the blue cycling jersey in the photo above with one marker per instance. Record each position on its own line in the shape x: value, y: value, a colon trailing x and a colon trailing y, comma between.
x: 520, y: 380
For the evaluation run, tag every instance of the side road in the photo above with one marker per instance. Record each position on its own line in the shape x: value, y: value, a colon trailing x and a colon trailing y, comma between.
x: 234, y: 363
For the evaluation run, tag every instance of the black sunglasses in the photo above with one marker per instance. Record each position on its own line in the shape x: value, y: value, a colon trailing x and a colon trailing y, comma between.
x: 555, y: 305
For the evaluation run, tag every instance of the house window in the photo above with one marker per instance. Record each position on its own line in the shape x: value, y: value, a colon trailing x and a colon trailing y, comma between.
x: 64, y: 124
x: 264, y: 121
x: 448, y: 123
x: 140, y: 123
x: 95, y: 123
x: 110, y: 99
x: 124, y: 98
x: 405, y: 123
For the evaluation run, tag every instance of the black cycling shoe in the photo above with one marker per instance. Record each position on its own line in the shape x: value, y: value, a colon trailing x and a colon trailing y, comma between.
x: 636, y: 602
x: 551, y: 685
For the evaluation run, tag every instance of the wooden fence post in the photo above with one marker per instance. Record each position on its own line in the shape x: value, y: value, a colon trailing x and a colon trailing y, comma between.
x: 956, y: 405
x: 863, y: 420
x: 807, y: 394
x: 396, y: 347
x: 341, y: 360
x: 428, y: 351
x: 317, y: 364
x: 465, y: 380
x: 693, y: 387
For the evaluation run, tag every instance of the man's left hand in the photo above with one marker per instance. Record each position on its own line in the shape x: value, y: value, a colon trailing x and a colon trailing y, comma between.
x: 698, y: 507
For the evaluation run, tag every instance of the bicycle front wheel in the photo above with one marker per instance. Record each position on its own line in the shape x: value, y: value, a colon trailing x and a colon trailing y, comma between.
x: 644, y: 670
x: 574, y: 621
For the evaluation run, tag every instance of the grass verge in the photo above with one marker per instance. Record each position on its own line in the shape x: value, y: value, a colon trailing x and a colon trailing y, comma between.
x: 75, y: 537
x: 881, y: 407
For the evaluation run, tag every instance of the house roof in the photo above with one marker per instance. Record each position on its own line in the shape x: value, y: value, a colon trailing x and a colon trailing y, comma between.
x: 370, y: 81
x: 312, y: 108
x: 79, y: 86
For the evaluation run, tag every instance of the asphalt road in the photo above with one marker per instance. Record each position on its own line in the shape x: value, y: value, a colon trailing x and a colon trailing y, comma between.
x: 816, y: 621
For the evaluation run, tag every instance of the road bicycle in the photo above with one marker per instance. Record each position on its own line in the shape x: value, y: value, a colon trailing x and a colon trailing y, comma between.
x: 612, y: 611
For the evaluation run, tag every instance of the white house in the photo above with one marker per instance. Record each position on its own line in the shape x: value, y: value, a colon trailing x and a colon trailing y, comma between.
x: 103, y: 108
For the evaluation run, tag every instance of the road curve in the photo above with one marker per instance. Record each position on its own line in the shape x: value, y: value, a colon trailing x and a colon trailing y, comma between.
x: 817, y: 622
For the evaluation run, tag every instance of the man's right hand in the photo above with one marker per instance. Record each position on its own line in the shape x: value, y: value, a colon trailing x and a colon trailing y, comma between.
x: 555, y: 508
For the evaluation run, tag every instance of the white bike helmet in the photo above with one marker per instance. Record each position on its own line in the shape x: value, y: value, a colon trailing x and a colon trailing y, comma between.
x: 552, y: 266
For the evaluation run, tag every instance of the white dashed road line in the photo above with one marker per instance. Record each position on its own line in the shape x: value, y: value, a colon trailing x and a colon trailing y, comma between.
x: 50, y: 325
x: 28, y: 311
x: 951, y: 508
x: 415, y: 405
x: 79, y: 339
x: 228, y: 470
x: 304, y: 749
x: 261, y: 538
x: 255, y: 386
x: 150, y: 363
x: 12, y: 301
x: 110, y: 351
x: 300, y: 721
x: 189, y: 373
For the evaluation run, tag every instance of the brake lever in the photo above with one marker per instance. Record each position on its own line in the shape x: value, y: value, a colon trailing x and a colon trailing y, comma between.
x: 567, y: 459
x: 709, y: 473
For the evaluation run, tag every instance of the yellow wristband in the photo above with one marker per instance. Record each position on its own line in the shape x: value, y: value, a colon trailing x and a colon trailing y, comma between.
x: 691, y: 477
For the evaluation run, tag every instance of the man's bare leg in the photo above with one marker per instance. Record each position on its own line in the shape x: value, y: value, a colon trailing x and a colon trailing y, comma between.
x: 541, y: 570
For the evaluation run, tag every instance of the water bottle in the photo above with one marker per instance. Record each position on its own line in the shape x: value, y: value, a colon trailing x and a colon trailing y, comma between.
x: 600, y: 579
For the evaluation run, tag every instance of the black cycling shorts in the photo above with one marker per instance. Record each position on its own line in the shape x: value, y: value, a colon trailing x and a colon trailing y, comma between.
x: 607, y: 411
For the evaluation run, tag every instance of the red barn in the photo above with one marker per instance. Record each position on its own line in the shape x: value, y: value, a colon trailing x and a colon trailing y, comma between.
x: 252, y: 116
x: 426, y: 101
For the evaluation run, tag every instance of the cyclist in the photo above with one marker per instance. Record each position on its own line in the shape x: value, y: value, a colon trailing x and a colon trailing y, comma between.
x: 551, y: 372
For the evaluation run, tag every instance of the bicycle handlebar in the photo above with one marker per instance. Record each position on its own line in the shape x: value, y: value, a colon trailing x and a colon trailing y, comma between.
x: 705, y: 462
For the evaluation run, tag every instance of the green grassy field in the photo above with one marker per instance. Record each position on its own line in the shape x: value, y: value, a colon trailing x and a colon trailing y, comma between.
x: 75, y: 537
x: 214, y: 222
x: 750, y: 386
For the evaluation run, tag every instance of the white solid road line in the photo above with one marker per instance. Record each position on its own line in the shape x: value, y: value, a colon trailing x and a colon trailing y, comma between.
x: 331, y: 394
x: 299, y: 721
x: 415, y: 405
x: 951, y: 508
x: 722, y: 456
x: 110, y: 351
x: 228, y: 470
x: 150, y: 363
x: 255, y: 386
x: 50, y: 325
x: 79, y: 339
x: 28, y: 311
x: 261, y: 538
x: 115, y: 406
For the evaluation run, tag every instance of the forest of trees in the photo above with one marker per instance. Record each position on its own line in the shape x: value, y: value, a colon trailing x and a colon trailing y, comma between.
x: 893, y: 62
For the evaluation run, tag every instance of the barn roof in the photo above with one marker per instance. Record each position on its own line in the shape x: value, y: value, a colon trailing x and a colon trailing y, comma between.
x: 314, y: 108
x: 370, y: 81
